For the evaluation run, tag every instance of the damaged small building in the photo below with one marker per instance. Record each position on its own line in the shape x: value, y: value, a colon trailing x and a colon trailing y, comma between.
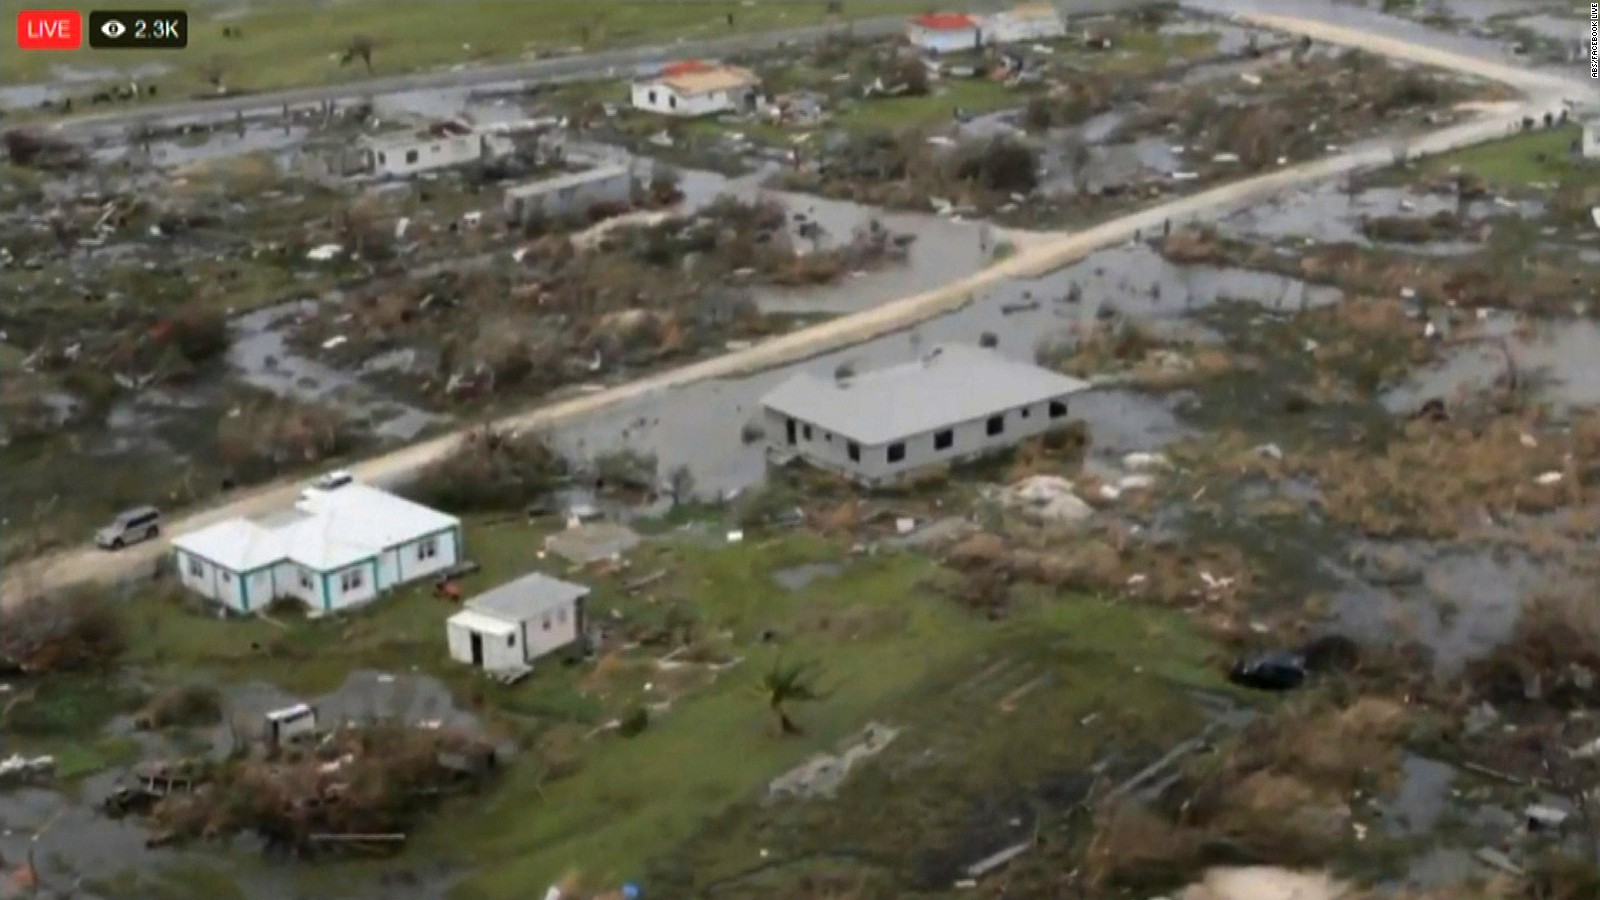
x: 697, y: 88
x: 574, y: 193
x: 954, y: 404
x: 439, y: 146
x: 1025, y: 22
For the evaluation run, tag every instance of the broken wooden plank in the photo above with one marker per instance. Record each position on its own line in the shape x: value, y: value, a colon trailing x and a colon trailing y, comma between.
x: 996, y: 860
x: 379, y: 838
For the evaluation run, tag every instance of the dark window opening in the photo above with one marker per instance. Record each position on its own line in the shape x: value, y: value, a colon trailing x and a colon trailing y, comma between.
x: 996, y: 425
x: 944, y: 440
x: 854, y: 450
x: 1058, y: 408
x: 1024, y: 412
x: 806, y: 431
x: 897, y: 452
x: 411, y: 156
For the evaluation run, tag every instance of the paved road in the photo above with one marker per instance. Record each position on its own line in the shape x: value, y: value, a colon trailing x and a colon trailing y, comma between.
x: 1040, y: 256
x: 589, y: 64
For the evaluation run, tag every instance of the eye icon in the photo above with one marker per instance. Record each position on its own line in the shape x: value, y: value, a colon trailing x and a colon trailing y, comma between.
x: 113, y: 29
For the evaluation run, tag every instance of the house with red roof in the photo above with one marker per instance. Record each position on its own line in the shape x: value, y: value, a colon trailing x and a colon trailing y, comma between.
x: 945, y: 32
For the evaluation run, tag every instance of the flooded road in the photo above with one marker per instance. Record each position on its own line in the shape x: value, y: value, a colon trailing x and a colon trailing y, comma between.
x: 700, y: 425
x: 261, y: 355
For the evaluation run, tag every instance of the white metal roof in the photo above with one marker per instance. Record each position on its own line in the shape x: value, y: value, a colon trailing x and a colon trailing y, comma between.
x: 333, y: 529
x: 951, y: 384
x: 481, y: 623
x: 526, y: 598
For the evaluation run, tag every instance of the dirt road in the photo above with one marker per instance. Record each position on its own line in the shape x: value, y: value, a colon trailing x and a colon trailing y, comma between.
x: 1035, y: 258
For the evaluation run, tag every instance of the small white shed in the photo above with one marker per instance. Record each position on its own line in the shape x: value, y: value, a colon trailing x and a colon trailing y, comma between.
x: 507, y: 628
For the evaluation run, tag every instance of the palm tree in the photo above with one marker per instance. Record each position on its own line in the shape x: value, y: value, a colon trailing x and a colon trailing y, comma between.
x: 787, y: 684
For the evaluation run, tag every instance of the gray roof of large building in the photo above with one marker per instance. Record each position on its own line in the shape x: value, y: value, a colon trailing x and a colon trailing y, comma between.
x: 526, y: 597
x: 949, y: 385
x: 570, y: 179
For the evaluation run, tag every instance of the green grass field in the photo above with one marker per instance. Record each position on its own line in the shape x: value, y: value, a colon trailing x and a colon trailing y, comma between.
x: 1543, y: 156
x: 974, y: 96
x: 299, y: 42
x: 889, y: 643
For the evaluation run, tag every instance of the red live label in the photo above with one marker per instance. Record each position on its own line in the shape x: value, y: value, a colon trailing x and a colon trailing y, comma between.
x: 49, y: 29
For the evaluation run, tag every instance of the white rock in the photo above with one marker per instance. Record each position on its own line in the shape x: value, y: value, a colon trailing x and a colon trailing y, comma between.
x: 1136, y: 482
x: 1548, y: 478
x: 1145, y: 462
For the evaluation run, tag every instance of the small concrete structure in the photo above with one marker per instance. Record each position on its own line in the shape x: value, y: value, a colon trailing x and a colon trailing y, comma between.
x: 945, y: 32
x: 507, y: 628
x: 287, y: 725
x: 696, y: 88
x: 574, y: 193
x: 954, y: 404
x: 1590, y: 145
x: 440, y: 146
x: 333, y: 550
x: 1025, y: 22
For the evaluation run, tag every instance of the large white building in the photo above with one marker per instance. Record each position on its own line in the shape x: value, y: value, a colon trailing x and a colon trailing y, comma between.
x: 1026, y: 22
x: 953, y: 405
x: 333, y: 550
x: 507, y: 628
x: 695, y: 88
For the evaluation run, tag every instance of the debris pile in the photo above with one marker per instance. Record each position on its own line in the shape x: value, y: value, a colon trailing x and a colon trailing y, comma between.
x: 355, y: 786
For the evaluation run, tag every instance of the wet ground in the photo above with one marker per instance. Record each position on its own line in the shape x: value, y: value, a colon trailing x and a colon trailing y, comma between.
x: 71, y: 838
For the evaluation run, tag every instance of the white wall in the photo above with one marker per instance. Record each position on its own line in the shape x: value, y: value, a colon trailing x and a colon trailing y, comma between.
x: 362, y: 591
x: 1004, y: 28
x: 551, y: 631
x: 205, y: 579
x: 395, y: 159
x: 295, y: 580
x: 658, y: 97
x: 497, y: 653
x: 1591, y: 141
x: 545, y: 634
x: 969, y: 440
x: 406, y: 563
x: 943, y: 41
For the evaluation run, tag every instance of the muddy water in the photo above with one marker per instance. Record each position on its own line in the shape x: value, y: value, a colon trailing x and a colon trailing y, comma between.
x: 1558, y: 356
x: 942, y: 249
x: 1328, y: 214
x: 700, y: 425
x: 1461, y: 603
x: 262, y: 355
x: 71, y: 839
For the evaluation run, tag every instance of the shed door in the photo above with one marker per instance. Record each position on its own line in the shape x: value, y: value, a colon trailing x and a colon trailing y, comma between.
x: 789, y: 430
x: 477, y: 649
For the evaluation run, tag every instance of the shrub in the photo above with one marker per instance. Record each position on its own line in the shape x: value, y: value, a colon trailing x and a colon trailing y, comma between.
x: 186, y: 705
x: 635, y: 722
x: 61, y: 633
x: 490, y: 470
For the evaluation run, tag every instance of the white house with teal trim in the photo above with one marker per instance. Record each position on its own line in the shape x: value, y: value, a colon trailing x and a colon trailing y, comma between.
x: 334, y: 550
